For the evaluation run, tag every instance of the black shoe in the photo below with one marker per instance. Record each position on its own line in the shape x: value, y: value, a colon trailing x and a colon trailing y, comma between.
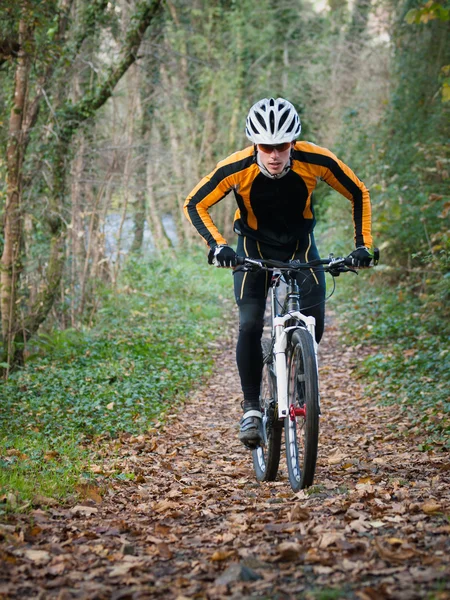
x: 250, y: 433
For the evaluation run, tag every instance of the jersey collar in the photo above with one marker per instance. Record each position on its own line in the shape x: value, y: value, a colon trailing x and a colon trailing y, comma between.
x: 267, y: 173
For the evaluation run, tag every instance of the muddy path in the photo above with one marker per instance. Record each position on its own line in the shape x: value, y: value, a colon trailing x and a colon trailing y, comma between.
x: 177, y: 513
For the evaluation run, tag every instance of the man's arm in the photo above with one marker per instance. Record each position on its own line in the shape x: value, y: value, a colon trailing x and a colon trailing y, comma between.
x: 213, y: 188
x: 210, y: 190
x: 340, y: 177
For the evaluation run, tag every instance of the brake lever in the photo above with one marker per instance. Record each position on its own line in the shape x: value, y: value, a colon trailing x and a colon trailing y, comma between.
x: 338, y: 269
x: 247, y: 268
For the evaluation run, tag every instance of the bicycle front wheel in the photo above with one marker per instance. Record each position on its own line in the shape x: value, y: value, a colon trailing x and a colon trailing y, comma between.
x: 266, y: 458
x: 301, y: 426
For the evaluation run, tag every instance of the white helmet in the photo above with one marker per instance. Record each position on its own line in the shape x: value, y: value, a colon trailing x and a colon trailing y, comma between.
x: 272, y: 122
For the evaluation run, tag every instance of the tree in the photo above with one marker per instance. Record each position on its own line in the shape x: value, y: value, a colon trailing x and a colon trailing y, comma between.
x: 52, y: 38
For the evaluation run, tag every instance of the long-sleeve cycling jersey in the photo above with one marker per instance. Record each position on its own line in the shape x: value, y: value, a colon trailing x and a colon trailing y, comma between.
x: 278, y: 212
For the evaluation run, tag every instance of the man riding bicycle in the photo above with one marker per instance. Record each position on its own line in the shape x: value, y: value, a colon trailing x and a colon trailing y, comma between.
x: 273, y: 181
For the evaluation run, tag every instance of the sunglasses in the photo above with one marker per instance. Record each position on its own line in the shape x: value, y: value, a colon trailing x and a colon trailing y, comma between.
x: 268, y: 149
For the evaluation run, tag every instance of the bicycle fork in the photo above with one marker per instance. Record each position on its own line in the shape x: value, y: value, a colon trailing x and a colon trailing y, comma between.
x: 279, y: 351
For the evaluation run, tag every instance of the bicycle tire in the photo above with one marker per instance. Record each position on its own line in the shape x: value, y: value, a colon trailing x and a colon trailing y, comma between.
x: 302, y: 432
x: 266, y: 459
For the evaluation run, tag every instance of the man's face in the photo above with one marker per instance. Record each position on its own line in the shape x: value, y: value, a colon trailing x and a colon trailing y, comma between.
x: 274, y: 158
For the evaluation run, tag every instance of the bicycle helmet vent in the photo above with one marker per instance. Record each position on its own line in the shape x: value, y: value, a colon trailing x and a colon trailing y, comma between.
x: 272, y: 121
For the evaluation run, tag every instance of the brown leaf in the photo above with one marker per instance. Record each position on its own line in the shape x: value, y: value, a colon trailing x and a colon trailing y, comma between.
x: 164, y: 551
x: 39, y: 500
x: 366, y: 480
x: 220, y: 555
x: 162, y: 529
x: 431, y: 507
x: 298, y: 513
x: 164, y: 505
x: 434, y: 197
x: 330, y: 539
x: 51, y: 455
x: 398, y: 555
x: 336, y: 458
x: 395, y: 541
x: 91, y: 492
x: 289, y: 551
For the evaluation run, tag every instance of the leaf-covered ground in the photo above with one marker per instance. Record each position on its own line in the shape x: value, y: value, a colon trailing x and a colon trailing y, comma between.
x: 177, y: 513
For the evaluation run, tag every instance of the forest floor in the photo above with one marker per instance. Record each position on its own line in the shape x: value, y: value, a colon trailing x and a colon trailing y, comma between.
x: 177, y: 513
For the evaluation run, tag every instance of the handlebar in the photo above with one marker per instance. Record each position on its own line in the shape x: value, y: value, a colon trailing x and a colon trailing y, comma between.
x: 333, y: 265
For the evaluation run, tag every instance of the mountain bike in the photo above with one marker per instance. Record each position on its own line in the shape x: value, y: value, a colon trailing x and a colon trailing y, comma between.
x: 289, y: 396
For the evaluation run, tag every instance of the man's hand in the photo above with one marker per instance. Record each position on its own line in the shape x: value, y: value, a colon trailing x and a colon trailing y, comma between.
x: 222, y: 256
x: 361, y: 257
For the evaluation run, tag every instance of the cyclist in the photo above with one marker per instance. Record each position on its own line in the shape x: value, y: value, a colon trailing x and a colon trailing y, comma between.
x: 273, y: 180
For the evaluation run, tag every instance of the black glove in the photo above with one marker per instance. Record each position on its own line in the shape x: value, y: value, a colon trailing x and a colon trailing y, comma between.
x: 361, y: 257
x: 222, y: 256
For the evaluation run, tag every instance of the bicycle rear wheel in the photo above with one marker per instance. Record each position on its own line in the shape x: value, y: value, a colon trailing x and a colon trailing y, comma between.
x: 266, y: 459
x: 301, y: 426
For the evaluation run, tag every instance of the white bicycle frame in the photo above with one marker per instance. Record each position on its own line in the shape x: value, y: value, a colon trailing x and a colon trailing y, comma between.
x: 280, y: 333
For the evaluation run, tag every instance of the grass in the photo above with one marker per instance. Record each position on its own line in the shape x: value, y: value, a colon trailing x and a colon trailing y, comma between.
x: 153, y: 341
x: 409, y: 363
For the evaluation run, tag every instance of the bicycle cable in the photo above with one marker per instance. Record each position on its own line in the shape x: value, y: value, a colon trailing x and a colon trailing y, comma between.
x: 324, y: 301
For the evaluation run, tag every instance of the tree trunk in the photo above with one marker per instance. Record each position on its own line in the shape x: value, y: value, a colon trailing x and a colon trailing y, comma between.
x: 55, y: 266
x: 139, y: 221
x: 10, y: 262
x: 182, y: 223
x: 76, y: 233
x: 159, y: 236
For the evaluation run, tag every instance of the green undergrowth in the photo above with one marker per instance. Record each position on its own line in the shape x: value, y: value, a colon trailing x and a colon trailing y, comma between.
x: 154, y: 339
x: 409, y: 362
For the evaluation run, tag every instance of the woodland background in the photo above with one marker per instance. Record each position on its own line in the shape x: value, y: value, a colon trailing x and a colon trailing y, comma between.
x: 111, y: 111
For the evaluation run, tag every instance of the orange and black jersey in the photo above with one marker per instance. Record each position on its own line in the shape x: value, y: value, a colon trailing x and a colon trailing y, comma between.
x: 278, y: 212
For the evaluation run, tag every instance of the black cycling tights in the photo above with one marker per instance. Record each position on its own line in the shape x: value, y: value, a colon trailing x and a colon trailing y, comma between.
x: 251, y: 290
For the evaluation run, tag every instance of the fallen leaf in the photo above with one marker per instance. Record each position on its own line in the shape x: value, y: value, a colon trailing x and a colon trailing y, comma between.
x: 220, y: 555
x: 395, y: 541
x: 365, y: 480
x: 39, y: 500
x: 237, y: 572
x: 51, y: 455
x: 289, y: 551
x: 335, y: 459
x: 330, y: 539
x: 122, y: 569
x: 298, y: 513
x: 431, y: 507
x: 164, y: 551
x: 38, y: 556
x: 90, y: 491
x: 86, y: 511
x: 398, y: 555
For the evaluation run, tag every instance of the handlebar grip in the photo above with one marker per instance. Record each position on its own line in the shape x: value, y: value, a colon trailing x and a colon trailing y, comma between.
x: 376, y: 257
x: 348, y: 261
x: 240, y: 260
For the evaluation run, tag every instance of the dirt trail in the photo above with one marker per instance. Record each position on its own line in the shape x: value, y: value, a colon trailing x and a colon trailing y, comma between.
x: 193, y: 522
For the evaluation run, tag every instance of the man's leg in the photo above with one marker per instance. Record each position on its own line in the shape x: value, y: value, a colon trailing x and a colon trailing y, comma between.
x: 250, y: 292
x: 248, y: 352
x: 312, y: 288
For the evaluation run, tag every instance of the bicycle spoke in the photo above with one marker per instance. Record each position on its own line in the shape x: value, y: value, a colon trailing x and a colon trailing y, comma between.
x: 267, y: 458
x: 301, y: 427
